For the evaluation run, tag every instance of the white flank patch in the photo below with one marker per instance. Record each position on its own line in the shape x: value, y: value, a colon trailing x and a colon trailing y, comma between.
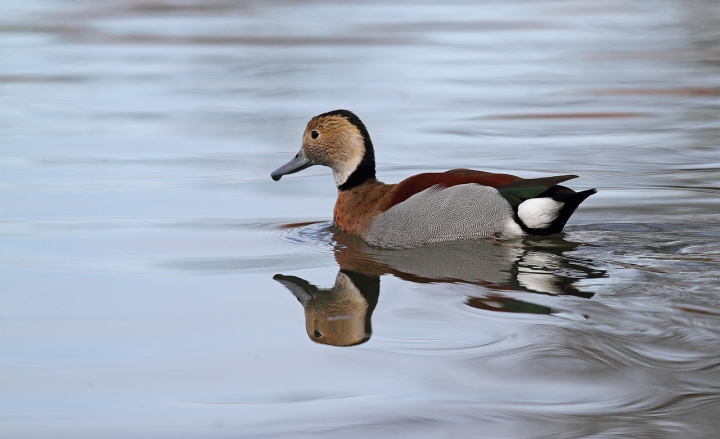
x: 538, y: 213
x: 513, y: 229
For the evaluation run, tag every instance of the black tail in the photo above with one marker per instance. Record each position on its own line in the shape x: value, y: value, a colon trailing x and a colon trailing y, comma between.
x: 571, y: 201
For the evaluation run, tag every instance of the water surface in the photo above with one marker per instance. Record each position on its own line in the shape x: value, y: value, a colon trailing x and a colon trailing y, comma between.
x: 155, y: 282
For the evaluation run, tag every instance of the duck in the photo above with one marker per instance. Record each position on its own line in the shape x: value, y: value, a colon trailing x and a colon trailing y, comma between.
x: 455, y: 205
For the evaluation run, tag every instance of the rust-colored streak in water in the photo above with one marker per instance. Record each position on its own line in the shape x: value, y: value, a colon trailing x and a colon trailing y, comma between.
x: 301, y: 224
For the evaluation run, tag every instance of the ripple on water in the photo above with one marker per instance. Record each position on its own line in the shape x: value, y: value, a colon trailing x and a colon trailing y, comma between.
x: 292, y: 247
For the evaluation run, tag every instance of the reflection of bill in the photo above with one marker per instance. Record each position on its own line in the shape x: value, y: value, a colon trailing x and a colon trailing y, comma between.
x: 341, y: 315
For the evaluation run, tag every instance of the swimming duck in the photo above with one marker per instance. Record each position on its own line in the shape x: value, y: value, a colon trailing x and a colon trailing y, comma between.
x: 459, y: 204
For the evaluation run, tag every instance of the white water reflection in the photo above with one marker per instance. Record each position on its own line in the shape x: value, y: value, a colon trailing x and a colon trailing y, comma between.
x: 140, y: 231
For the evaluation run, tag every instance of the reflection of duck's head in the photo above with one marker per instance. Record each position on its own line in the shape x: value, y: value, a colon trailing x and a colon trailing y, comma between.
x: 340, y: 315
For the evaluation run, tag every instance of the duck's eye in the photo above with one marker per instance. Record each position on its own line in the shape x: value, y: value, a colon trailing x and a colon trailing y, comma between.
x: 314, y: 134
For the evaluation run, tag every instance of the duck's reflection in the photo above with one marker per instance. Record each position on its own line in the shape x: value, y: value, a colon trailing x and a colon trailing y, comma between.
x: 341, y: 315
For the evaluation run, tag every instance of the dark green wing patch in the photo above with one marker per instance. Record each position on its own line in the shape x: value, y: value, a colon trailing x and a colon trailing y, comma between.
x: 521, y: 190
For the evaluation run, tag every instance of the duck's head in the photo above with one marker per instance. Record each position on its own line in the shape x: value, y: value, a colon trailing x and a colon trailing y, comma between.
x: 339, y: 140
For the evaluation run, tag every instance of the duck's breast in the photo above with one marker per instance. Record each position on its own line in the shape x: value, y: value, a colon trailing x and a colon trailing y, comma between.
x: 466, y: 211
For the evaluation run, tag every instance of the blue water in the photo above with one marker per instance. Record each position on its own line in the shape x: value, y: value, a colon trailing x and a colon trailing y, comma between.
x: 155, y: 282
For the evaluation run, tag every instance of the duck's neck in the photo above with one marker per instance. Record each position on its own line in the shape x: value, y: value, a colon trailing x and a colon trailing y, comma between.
x: 364, y: 171
x: 356, y: 207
